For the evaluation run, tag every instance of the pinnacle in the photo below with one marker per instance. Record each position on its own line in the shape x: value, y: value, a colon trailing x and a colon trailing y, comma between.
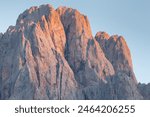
x: 35, y: 13
x: 102, y: 35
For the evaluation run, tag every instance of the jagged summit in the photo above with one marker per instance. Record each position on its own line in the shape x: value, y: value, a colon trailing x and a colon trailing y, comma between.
x: 102, y: 35
x: 64, y: 9
x: 52, y: 54
x: 117, y: 52
x: 35, y: 13
x: 105, y: 36
x: 73, y: 17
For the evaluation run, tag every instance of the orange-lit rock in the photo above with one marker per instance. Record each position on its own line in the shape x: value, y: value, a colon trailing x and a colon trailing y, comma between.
x: 83, y: 53
x: 33, y: 58
x: 117, y: 52
x: 51, y: 54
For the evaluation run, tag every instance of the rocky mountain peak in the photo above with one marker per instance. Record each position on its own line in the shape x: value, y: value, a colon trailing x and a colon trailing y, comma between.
x: 88, y: 55
x: 51, y: 54
x: 74, y: 21
x: 34, y: 14
x: 46, y: 25
x: 102, y: 35
x: 118, y: 53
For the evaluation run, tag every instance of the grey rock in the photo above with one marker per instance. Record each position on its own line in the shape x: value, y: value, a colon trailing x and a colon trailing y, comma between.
x: 1, y: 35
x: 51, y: 54
x: 32, y: 61
x: 118, y: 87
x: 117, y: 52
x: 83, y: 53
x: 144, y: 90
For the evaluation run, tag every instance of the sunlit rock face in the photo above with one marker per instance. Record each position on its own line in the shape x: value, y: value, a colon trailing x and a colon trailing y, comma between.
x: 82, y: 52
x: 51, y: 54
x: 33, y: 64
x: 117, y: 52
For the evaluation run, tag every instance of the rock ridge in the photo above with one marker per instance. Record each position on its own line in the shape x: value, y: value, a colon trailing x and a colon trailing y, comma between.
x: 52, y: 54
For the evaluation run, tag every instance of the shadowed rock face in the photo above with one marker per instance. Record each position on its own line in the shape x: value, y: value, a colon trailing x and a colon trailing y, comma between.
x: 117, y: 52
x: 51, y: 54
x: 83, y: 53
x: 1, y: 35
x: 144, y: 90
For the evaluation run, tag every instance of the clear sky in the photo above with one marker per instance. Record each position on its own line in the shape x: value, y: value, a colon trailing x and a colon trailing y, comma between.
x: 129, y: 18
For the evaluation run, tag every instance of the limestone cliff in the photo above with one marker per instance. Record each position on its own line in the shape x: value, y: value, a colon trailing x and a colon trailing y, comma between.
x: 51, y: 54
x: 117, y: 52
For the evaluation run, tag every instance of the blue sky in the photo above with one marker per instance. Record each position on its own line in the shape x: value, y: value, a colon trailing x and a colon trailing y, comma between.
x: 129, y: 18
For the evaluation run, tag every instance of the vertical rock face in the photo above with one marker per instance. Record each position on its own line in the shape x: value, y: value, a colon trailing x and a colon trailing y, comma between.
x: 47, y: 24
x: 51, y: 54
x: 117, y: 52
x: 1, y: 34
x: 33, y: 64
x: 83, y: 53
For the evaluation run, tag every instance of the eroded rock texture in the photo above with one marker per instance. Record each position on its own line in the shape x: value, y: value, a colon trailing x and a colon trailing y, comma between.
x: 117, y: 52
x: 33, y: 64
x: 83, y: 53
x: 51, y: 54
x: 144, y: 90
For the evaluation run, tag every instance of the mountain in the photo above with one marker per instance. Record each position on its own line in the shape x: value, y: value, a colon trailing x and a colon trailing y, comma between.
x: 52, y: 54
x: 117, y: 52
x: 145, y: 90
